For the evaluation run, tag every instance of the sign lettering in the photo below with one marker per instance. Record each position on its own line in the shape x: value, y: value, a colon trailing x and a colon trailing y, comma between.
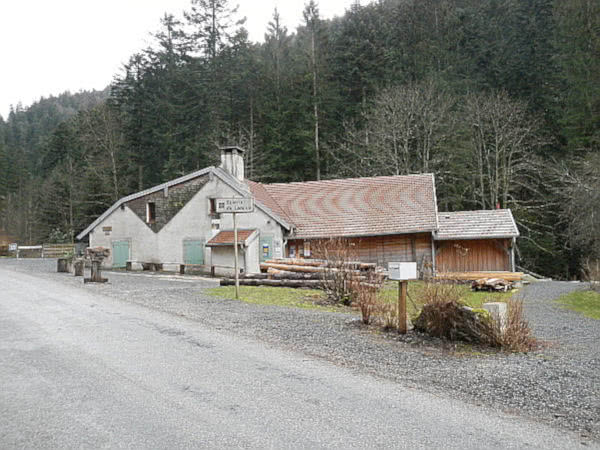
x: 235, y: 205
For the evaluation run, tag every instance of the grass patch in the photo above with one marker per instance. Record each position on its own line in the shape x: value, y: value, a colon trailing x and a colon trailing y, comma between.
x: 583, y: 302
x: 280, y: 296
x: 389, y: 293
x: 316, y: 299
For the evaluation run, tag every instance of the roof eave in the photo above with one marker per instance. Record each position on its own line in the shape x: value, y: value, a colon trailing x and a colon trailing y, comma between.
x: 391, y: 233
x: 471, y: 238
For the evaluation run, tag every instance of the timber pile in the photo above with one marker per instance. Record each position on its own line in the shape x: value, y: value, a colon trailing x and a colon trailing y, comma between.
x: 473, y: 276
x: 309, y: 273
x: 491, y: 285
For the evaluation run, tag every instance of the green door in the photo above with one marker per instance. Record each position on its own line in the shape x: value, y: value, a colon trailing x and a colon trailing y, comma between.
x: 266, y: 248
x: 120, y: 253
x: 193, y: 251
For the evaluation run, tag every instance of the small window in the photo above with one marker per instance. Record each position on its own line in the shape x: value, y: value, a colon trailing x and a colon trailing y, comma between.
x: 150, y: 212
x: 212, y: 208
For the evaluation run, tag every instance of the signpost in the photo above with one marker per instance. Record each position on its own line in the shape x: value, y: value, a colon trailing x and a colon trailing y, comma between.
x: 235, y: 205
x: 402, y: 272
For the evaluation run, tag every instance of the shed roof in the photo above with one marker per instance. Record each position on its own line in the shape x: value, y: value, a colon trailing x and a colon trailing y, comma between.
x: 354, y: 206
x: 226, y: 237
x: 482, y: 224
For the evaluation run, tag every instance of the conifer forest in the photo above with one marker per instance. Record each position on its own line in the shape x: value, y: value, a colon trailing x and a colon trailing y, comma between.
x: 500, y: 99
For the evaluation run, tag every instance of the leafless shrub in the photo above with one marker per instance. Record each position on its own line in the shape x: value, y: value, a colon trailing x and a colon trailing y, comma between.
x: 339, y: 273
x: 366, y: 300
x: 444, y: 316
x: 591, y: 273
x: 516, y: 335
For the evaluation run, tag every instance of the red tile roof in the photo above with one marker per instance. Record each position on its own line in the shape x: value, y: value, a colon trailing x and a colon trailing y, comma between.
x: 226, y: 237
x: 496, y: 223
x: 354, y: 206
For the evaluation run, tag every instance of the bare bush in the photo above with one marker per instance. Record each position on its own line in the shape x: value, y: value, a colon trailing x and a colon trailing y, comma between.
x: 339, y: 272
x: 444, y: 316
x: 516, y: 335
x: 366, y: 300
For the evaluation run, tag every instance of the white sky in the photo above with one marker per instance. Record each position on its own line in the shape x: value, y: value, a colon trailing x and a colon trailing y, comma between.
x: 51, y: 46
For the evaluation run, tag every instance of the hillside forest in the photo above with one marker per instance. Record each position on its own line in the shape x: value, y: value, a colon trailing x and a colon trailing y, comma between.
x: 500, y: 99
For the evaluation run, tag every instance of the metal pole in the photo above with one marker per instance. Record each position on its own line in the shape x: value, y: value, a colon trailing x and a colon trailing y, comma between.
x: 402, y: 285
x: 235, y: 257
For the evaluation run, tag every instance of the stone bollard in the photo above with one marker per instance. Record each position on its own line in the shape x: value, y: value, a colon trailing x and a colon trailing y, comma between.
x: 499, y: 311
x: 62, y: 265
x: 78, y: 267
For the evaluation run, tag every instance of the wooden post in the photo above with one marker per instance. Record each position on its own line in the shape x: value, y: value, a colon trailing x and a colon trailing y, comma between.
x: 402, y: 289
x: 512, y: 254
x: 433, y: 262
x: 78, y: 268
x: 61, y: 264
x: 235, y: 257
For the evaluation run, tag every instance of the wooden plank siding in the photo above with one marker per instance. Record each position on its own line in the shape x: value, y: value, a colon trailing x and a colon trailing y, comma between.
x: 382, y: 249
x: 473, y: 255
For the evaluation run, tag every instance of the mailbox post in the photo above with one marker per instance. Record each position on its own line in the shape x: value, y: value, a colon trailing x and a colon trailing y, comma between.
x: 402, y: 272
x: 235, y: 205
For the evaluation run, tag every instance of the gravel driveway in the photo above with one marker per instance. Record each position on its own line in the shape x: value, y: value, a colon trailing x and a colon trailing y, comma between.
x: 559, y: 385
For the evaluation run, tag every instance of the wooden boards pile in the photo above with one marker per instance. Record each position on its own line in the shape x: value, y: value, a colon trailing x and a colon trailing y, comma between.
x: 473, y: 276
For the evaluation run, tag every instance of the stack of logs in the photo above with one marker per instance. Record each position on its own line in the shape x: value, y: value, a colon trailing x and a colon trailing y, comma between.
x: 307, y: 273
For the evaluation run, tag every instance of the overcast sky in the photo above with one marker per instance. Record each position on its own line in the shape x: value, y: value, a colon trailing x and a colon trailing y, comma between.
x: 51, y: 46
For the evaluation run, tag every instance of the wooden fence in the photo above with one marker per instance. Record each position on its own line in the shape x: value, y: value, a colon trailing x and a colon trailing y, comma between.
x: 57, y: 250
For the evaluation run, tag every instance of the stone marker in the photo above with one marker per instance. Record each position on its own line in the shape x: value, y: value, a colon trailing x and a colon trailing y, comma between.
x: 499, y: 311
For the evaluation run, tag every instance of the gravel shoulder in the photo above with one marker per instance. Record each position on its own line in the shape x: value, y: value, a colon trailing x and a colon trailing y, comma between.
x: 558, y: 385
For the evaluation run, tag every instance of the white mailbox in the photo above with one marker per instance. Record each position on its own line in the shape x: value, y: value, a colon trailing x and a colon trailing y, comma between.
x: 402, y: 271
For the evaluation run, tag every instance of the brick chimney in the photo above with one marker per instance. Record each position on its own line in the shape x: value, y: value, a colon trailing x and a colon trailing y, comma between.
x: 232, y: 160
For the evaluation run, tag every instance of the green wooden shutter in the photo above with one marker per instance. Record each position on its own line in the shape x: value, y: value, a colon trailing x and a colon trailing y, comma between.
x: 120, y: 253
x: 193, y: 251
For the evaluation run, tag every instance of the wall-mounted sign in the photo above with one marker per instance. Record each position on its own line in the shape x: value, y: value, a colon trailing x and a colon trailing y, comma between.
x: 277, y: 248
x: 235, y: 205
x: 402, y: 271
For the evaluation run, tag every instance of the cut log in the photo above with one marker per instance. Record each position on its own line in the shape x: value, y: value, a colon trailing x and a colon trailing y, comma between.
x: 292, y: 268
x: 285, y: 274
x: 255, y: 276
x: 281, y: 283
x: 298, y: 262
x: 357, y: 265
x: 491, y: 284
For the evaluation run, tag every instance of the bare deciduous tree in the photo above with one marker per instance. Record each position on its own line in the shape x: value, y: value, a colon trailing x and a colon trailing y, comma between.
x: 504, y: 138
x: 406, y: 130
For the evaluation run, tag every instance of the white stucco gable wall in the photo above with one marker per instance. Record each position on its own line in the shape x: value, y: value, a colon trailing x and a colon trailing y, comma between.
x: 193, y: 221
x: 125, y: 225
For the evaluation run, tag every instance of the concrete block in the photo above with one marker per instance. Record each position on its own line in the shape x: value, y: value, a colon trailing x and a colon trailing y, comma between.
x: 499, y: 311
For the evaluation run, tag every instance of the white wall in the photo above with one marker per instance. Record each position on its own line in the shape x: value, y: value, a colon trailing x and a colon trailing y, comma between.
x: 126, y: 226
x: 191, y: 222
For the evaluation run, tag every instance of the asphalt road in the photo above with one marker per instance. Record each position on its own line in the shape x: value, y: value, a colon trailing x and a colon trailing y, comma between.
x: 78, y: 369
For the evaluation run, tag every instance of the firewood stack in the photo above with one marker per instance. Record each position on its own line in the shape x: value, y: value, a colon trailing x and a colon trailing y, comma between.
x: 295, y: 272
x: 492, y: 285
